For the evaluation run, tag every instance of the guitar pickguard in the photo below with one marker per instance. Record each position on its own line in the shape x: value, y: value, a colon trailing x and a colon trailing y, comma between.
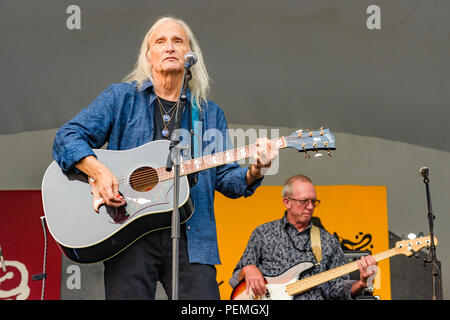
x: 140, y: 197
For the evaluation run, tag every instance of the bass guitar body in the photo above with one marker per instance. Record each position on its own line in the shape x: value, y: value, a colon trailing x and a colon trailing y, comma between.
x: 275, y: 286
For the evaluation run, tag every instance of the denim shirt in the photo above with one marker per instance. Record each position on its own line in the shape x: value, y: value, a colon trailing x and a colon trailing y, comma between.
x: 122, y: 116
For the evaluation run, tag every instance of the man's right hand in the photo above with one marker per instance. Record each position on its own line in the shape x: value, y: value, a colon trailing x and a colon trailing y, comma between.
x: 105, y: 187
x: 254, y: 280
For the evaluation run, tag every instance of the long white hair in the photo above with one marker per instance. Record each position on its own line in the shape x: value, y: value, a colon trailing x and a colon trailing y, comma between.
x: 199, y: 84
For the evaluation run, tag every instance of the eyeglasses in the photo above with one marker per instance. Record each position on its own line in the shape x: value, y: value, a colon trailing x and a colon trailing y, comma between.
x: 304, y: 202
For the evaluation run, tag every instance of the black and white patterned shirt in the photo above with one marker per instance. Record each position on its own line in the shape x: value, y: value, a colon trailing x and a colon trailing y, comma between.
x: 276, y: 246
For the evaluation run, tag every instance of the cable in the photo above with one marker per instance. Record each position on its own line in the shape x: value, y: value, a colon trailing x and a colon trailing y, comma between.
x: 45, y: 257
x: 42, y: 276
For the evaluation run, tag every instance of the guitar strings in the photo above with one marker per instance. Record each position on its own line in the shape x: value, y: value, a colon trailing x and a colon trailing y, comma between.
x: 145, y: 177
x: 154, y: 175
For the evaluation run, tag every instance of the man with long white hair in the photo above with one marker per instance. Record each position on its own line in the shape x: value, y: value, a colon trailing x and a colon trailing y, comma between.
x: 139, y: 110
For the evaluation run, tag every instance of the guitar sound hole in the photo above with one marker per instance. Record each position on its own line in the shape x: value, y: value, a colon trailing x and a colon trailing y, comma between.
x: 144, y: 179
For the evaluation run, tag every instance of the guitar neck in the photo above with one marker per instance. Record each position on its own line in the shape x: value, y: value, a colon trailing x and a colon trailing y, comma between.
x: 310, y: 282
x: 215, y: 160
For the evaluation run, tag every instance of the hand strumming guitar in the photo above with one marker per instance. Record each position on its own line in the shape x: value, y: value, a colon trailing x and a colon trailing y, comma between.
x: 105, y: 187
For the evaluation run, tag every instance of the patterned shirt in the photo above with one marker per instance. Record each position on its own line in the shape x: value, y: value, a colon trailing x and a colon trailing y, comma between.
x: 276, y: 246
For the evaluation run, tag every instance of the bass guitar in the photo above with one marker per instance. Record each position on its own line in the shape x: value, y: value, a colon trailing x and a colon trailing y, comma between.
x: 286, y: 285
x: 86, y: 235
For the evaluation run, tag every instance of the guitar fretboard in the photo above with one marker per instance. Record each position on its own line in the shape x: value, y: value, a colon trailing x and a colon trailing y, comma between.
x: 310, y: 282
x: 216, y: 159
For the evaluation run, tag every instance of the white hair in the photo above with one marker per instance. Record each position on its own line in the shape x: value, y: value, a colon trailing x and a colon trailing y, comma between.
x: 288, y: 185
x: 199, y: 84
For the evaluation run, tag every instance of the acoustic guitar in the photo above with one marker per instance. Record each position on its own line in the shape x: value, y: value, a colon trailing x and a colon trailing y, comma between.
x: 86, y: 235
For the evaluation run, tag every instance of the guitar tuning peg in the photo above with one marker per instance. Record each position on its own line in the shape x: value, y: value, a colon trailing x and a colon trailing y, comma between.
x: 310, y: 132
x: 307, y: 155
x: 318, y: 154
x: 415, y: 253
x: 329, y: 153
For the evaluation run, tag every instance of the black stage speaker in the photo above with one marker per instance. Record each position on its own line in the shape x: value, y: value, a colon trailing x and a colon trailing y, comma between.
x: 410, y: 279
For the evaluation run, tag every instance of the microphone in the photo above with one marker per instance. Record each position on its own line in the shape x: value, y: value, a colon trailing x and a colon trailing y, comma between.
x: 424, y: 172
x: 190, y: 59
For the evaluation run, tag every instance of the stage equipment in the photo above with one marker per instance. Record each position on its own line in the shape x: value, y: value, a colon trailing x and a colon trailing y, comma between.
x: 174, y: 159
x: 435, y: 270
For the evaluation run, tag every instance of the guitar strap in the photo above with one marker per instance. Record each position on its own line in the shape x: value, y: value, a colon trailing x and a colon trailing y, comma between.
x: 195, y: 128
x: 315, y: 243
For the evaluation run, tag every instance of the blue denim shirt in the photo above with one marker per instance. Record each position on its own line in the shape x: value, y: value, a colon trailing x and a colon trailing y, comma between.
x: 122, y: 115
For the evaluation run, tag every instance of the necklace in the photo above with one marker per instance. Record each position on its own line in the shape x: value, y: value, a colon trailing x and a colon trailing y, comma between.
x: 166, y: 117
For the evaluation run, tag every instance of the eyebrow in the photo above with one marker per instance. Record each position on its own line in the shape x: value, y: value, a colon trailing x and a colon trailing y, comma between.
x: 175, y: 37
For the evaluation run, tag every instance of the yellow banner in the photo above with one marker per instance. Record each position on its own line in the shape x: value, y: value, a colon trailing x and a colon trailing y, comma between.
x: 356, y: 214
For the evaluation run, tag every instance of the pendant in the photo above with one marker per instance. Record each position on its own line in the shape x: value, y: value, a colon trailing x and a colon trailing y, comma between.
x: 166, y: 118
x: 165, y: 133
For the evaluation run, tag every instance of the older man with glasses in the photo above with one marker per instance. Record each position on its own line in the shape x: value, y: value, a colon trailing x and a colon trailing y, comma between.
x: 277, y: 246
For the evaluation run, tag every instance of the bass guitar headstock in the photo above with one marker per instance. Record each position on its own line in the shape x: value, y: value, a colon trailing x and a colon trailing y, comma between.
x: 411, y: 246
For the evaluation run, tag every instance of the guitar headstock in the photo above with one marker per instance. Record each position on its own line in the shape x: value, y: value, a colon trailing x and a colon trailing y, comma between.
x: 408, y: 247
x: 306, y: 140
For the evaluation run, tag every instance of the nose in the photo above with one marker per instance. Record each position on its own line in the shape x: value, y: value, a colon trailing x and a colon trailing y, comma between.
x: 310, y: 204
x: 169, y: 46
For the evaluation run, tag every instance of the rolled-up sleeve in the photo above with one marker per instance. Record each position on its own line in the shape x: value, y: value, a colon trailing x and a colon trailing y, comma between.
x: 88, y: 129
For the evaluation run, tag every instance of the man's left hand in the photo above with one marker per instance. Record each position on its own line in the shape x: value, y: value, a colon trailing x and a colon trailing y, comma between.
x: 266, y: 152
x: 363, y: 265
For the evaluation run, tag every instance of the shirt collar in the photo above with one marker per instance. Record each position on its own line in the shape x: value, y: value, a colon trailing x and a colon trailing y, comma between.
x: 148, y: 84
x: 285, y: 223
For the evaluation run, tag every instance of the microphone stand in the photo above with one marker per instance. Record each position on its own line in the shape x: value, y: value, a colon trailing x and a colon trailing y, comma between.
x: 436, y: 292
x: 174, y: 159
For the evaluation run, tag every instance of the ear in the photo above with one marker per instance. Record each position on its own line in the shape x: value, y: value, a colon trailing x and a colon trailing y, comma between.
x: 148, y: 53
x: 286, y: 203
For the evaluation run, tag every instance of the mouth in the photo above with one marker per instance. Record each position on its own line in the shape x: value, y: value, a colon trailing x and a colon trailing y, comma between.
x: 170, y: 59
